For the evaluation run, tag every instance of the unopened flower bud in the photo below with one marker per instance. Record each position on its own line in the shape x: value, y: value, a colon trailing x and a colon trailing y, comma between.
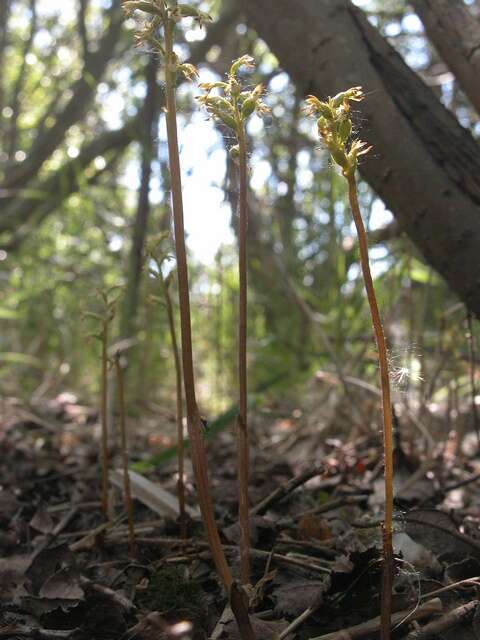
x: 245, y: 61
x: 345, y: 129
x: 141, y: 5
x: 339, y: 155
x: 248, y: 107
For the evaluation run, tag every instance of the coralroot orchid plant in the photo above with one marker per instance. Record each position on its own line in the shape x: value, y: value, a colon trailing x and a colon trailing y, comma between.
x: 233, y: 107
x: 335, y: 129
x: 158, y: 35
x: 156, y: 252
x: 109, y: 299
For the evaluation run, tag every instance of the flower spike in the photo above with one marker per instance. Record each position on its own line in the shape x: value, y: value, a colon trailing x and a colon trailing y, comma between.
x: 234, y: 106
x: 335, y: 127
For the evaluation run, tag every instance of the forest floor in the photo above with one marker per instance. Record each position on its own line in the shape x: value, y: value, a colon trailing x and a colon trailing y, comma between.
x: 67, y: 572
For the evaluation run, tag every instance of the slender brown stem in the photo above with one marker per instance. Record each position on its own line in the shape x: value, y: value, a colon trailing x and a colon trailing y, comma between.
x: 242, y: 426
x: 104, y: 418
x: 386, y: 604
x: 194, y: 424
x: 179, y: 417
x: 123, y: 434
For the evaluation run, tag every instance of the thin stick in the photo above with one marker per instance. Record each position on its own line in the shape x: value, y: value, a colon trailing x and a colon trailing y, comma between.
x: 24, y: 631
x: 293, y: 626
x: 88, y: 540
x: 53, y: 535
x: 450, y: 619
x: 370, y: 627
x: 386, y: 405
x: 179, y: 417
x: 123, y: 434
x: 284, y: 490
x: 473, y: 582
x: 242, y: 427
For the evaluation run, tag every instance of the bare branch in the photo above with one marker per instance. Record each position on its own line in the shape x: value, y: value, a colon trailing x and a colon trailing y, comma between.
x: 82, y: 29
x: 81, y: 93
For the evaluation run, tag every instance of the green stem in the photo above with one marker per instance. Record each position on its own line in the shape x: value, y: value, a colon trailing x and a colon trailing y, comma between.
x: 242, y: 426
x: 104, y: 418
x: 386, y: 604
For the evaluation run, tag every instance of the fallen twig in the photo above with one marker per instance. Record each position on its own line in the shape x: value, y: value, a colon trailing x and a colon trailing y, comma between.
x: 297, y: 622
x: 281, y: 492
x: 112, y: 595
x: 447, y: 621
x: 461, y: 483
x: 306, y: 563
x: 50, y: 537
x: 333, y: 504
x: 373, y: 626
x: 325, y: 548
x: 89, y: 539
x: 24, y: 631
x: 472, y: 582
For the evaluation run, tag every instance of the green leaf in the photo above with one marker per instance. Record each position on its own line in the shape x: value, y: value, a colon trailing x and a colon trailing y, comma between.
x: 419, y: 272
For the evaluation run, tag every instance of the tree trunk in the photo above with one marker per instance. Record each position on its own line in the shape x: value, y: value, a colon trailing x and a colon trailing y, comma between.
x: 455, y: 33
x: 127, y: 324
x: 424, y: 165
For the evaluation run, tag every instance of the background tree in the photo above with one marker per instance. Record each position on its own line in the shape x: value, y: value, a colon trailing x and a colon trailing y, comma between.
x: 75, y: 133
x: 340, y: 47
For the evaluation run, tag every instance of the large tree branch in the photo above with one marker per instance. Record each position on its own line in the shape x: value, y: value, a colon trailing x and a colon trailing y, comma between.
x: 425, y: 166
x: 15, y: 102
x: 455, y: 33
x: 28, y: 199
x: 82, y: 28
x: 47, y: 194
x: 81, y: 93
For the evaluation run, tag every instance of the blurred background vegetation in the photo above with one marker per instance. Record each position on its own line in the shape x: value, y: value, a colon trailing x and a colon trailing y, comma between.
x: 84, y: 183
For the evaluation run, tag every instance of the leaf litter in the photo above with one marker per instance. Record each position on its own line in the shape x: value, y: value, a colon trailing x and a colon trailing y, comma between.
x: 316, y: 543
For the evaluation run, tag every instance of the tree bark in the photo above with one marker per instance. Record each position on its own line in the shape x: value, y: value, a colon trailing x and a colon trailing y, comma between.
x: 424, y: 166
x: 455, y: 33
